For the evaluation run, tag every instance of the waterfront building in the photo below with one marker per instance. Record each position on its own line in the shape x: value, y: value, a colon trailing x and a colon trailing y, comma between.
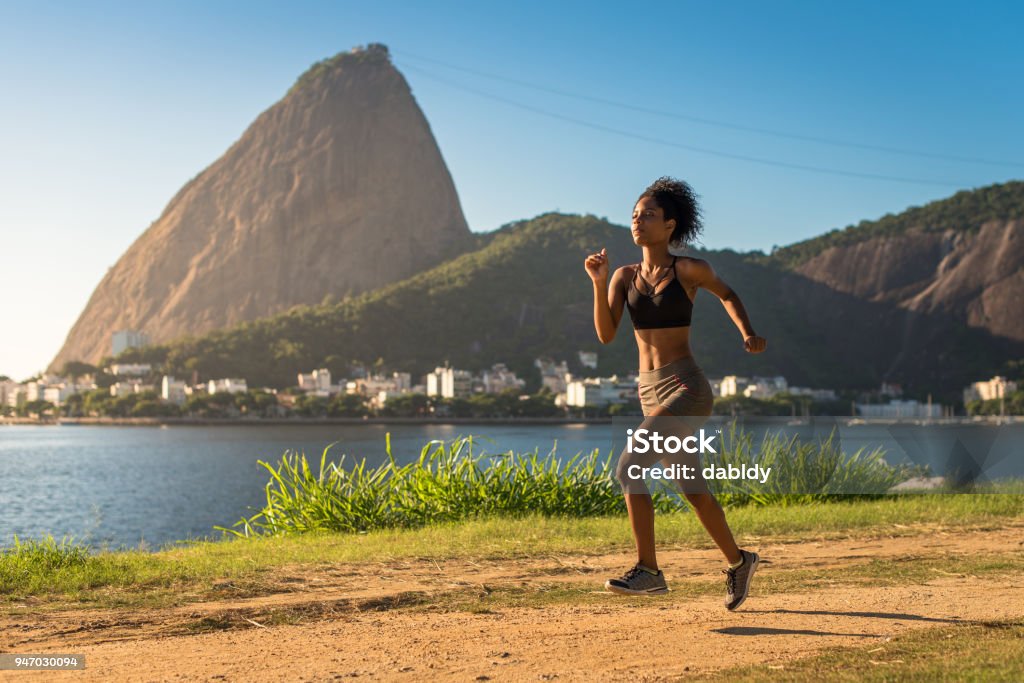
x: 172, y: 390
x: 766, y: 387
x: 6, y: 387
x: 15, y: 395
x: 318, y: 383
x: 130, y: 387
x: 900, y: 409
x: 449, y: 383
x: 228, y: 385
x: 588, y: 359
x: 732, y: 385
x: 499, y: 378
x: 599, y: 391
x: 994, y: 389
x: 553, y: 376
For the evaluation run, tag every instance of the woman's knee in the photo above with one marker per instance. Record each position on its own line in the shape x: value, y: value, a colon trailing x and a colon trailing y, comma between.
x: 629, y: 474
x: 704, y: 500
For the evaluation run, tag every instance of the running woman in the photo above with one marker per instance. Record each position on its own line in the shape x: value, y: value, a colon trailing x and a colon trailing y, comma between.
x: 659, y: 293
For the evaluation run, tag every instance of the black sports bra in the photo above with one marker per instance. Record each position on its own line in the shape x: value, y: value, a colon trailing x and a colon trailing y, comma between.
x: 671, y: 307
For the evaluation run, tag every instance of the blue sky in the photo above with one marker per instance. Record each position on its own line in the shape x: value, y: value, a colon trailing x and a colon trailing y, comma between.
x: 108, y: 108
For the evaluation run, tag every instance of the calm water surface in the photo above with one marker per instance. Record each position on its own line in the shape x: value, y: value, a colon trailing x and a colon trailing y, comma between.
x: 126, y: 486
x: 120, y: 486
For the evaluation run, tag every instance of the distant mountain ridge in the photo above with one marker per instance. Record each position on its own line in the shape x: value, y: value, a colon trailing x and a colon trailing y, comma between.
x: 964, y: 212
x: 298, y: 209
x: 962, y: 257
x: 523, y: 293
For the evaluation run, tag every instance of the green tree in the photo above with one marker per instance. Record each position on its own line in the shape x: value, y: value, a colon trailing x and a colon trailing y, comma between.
x: 309, y: 405
x: 407, y: 405
x: 73, y: 406
x: 75, y: 369
x: 348, y: 405
x: 38, y: 408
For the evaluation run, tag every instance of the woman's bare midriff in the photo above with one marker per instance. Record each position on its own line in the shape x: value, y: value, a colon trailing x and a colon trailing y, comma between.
x: 660, y: 347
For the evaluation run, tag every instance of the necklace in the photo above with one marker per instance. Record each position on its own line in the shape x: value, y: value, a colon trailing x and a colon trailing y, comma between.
x: 652, y: 289
x: 651, y: 268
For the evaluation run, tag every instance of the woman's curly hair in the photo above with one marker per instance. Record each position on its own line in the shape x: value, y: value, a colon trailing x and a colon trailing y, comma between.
x: 677, y: 201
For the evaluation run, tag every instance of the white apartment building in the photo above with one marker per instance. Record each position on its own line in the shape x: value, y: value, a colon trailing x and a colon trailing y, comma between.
x: 499, y: 378
x: 53, y: 389
x: 449, y: 383
x: 766, y: 387
x: 403, y: 382
x: 129, y: 387
x: 553, y: 376
x: 172, y: 390
x: 7, y: 389
x: 732, y: 385
x: 57, y: 394
x: 588, y: 359
x: 599, y: 391
x: 318, y: 382
x: 34, y: 391
x: 130, y: 369
x: 994, y: 389
x: 14, y: 394
x: 228, y: 385
x: 398, y: 383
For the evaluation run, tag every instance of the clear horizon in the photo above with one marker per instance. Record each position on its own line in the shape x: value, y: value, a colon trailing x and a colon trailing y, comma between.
x: 778, y: 117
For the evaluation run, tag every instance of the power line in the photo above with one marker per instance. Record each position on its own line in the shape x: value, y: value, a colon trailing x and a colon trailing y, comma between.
x: 719, y: 124
x: 691, y: 148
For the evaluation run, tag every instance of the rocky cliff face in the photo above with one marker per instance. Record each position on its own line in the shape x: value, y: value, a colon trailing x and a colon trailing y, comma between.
x: 337, y: 189
x: 976, y: 278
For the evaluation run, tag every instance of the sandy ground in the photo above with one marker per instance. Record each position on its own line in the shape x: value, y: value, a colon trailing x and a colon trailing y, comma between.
x: 350, y: 629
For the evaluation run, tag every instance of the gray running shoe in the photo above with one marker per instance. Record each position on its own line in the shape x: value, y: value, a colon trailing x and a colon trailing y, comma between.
x: 737, y: 581
x: 638, y: 581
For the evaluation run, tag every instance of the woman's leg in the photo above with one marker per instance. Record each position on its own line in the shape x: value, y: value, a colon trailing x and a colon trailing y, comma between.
x: 641, y: 519
x: 704, y: 503
x: 639, y: 504
x: 711, y: 515
x: 694, y: 397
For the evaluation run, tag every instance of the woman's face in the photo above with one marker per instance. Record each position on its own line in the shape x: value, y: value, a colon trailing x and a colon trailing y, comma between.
x: 649, y: 224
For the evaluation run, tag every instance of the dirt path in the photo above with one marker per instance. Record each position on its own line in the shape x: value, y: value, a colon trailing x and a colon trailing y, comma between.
x: 350, y: 628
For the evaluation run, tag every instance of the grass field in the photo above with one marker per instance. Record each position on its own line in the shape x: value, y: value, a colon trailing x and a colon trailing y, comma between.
x: 68, y: 572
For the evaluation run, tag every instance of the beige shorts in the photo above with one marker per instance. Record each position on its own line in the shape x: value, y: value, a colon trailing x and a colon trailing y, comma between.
x: 680, y: 387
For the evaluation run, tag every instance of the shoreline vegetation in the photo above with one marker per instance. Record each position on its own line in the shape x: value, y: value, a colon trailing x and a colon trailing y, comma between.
x: 449, y: 482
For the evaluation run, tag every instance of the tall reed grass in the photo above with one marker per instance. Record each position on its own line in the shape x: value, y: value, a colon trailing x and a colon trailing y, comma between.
x: 449, y: 482
x: 802, y: 472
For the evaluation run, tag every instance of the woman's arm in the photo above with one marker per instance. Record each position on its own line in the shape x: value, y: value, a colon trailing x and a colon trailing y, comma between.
x: 609, y: 298
x: 701, y: 272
